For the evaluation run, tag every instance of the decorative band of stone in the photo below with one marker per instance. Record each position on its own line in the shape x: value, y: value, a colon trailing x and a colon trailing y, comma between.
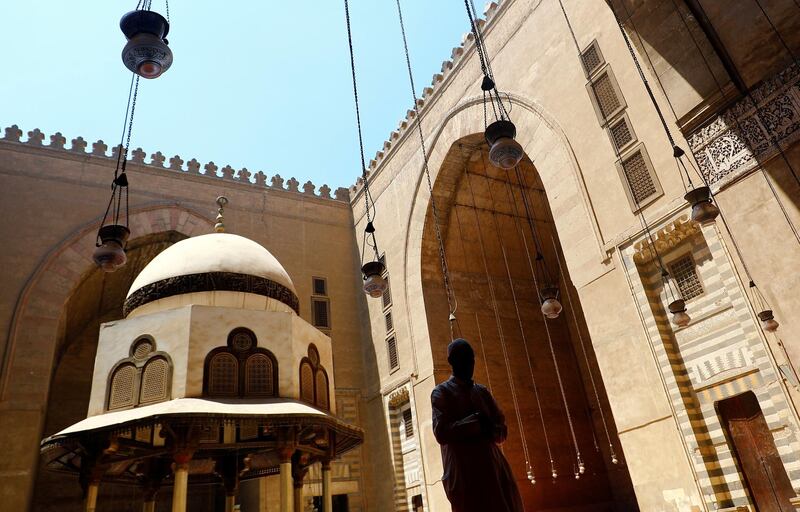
x: 209, y: 282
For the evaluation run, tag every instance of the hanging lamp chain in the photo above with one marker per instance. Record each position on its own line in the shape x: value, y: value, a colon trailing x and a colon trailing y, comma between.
x: 369, y: 203
x: 451, y: 297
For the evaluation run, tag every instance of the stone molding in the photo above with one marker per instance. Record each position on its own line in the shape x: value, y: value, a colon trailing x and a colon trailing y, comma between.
x: 399, y: 397
x: 738, y: 139
x: 13, y: 135
x: 666, y: 238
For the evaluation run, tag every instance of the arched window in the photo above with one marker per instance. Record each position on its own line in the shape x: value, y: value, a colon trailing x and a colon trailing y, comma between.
x: 241, y: 368
x: 144, y: 377
x: 321, y: 389
x: 314, y: 387
x: 306, y: 382
x: 259, y: 375
x: 155, y: 376
x: 122, y: 392
x: 223, y: 375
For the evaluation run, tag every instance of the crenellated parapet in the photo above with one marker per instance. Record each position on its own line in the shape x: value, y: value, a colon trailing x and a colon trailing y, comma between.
x: 159, y: 161
x: 467, y: 43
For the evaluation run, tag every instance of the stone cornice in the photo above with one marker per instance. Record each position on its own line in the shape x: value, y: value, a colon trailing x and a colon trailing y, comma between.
x: 666, y: 238
x: 35, y: 141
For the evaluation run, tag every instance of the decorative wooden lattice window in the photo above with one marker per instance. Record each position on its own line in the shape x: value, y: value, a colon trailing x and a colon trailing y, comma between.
x: 605, y: 92
x: 314, y: 387
x: 387, y: 295
x: 144, y: 377
x: 321, y: 390
x: 320, y: 286
x: 155, y: 377
x: 391, y: 347
x: 408, y: 426
x: 258, y: 373
x: 684, y: 272
x: 639, y: 178
x: 621, y: 132
x: 592, y: 58
x: 122, y: 392
x: 223, y: 375
x: 320, y: 309
x: 389, y: 322
x: 241, y: 368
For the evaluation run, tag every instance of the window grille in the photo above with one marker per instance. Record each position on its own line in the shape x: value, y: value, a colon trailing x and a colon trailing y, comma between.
x: 321, y: 313
x: 407, y: 424
x: 606, y: 95
x: 592, y: 58
x: 684, y: 272
x: 123, y: 382
x: 242, y: 339
x: 639, y: 177
x: 259, y: 376
x: 322, y: 390
x: 223, y: 378
x: 621, y: 133
x: 142, y: 348
x: 306, y: 382
x: 155, y: 381
x: 320, y: 286
x: 387, y: 295
x: 389, y: 322
x: 391, y: 344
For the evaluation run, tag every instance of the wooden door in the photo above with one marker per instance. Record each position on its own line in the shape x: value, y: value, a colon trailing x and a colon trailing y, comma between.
x: 756, y: 454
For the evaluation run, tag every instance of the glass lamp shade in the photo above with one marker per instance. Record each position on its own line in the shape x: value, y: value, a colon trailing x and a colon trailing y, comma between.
x: 614, y: 459
x: 555, y: 474
x: 704, y: 210
x: 374, y: 282
x: 679, y: 315
x: 110, y: 254
x: 768, y: 322
x: 504, y: 151
x: 551, y: 307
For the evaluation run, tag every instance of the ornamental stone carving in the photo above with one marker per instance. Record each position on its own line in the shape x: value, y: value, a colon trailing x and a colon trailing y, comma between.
x: 665, y: 239
x: 748, y: 132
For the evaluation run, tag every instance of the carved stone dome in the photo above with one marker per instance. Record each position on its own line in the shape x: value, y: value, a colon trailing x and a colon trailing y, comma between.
x: 213, y: 262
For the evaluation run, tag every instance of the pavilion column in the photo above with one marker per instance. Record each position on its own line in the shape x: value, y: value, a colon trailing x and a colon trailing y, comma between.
x: 230, y: 478
x: 157, y: 470
x: 91, y: 496
x: 327, y: 497
x: 149, y: 506
x: 181, y: 480
x: 287, y: 495
x: 299, y: 470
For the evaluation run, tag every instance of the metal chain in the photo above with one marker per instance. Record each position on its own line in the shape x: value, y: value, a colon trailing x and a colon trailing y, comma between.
x: 435, y: 210
x: 367, y: 197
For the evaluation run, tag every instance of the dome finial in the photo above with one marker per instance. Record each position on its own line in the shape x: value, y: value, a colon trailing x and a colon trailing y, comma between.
x: 219, y: 227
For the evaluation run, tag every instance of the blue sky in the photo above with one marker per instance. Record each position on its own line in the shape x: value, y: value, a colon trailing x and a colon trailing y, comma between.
x: 257, y: 84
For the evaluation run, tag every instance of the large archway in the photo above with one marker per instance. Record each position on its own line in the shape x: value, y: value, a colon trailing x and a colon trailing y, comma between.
x: 32, y: 378
x: 491, y: 255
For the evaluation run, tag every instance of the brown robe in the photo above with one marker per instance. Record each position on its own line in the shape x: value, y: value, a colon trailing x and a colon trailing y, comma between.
x: 476, y: 476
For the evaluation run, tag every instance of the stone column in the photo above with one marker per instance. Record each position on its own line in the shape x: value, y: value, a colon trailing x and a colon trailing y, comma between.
x: 91, y: 496
x: 327, y: 497
x: 287, y: 496
x: 181, y: 481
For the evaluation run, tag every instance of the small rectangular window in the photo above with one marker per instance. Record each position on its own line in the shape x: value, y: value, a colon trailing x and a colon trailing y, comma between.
x: 416, y: 503
x: 621, y: 133
x: 592, y: 58
x: 391, y: 346
x: 320, y: 286
x: 684, y: 272
x: 639, y: 178
x: 408, y: 426
x: 387, y: 295
x: 320, y: 309
x: 605, y: 94
x: 389, y: 322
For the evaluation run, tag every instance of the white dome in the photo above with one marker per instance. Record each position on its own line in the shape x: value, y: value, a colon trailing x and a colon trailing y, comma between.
x: 215, y: 252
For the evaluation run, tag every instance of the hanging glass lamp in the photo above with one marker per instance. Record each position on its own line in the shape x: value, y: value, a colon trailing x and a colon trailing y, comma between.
x: 374, y: 282
x: 110, y: 252
x: 679, y: 315
x: 768, y: 322
x: 704, y: 210
x: 551, y: 307
x: 504, y: 151
x: 147, y: 52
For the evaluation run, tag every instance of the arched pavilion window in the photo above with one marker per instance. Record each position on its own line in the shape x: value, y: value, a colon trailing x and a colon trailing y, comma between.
x: 314, y: 387
x: 144, y: 377
x: 241, y: 368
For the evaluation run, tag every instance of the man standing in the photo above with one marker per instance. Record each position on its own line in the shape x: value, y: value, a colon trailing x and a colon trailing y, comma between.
x: 469, y: 426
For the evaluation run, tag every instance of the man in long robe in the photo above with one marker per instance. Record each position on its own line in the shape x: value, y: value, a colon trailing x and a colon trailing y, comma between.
x: 469, y: 427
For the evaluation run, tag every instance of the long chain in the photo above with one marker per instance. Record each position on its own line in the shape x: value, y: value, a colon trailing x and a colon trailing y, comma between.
x: 367, y: 196
x: 451, y: 298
